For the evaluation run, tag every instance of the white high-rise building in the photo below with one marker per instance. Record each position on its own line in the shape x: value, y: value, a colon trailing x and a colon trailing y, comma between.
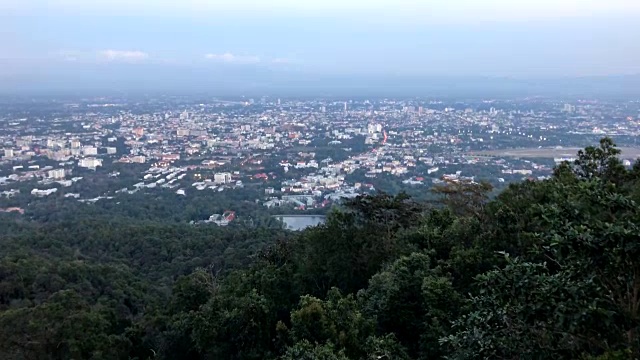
x: 222, y: 178
x: 374, y: 128
x: 8, y: 153
x: 56, y: 174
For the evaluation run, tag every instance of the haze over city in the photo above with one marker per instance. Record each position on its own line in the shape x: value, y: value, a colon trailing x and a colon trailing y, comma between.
x: 249, y: 44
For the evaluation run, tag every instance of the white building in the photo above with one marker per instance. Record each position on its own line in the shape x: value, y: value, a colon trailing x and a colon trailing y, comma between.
x: 9, y: 193
x: 56, y: 174
x: 222, y: 178
x: 90, y: 163
x: 75, y: 144
x: 563, y: 159
x: 47, y: 192
x: 374, y: 128
x: 111, y: 150
x: 90, y: 151
x: 138, y: 159
x: 8, y: 153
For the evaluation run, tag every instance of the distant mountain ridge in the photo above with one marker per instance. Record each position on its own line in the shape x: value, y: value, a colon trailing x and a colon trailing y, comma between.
x: 249, y: 80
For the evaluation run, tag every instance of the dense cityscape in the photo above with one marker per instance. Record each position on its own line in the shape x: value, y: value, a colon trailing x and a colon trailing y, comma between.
x: 289, y: 155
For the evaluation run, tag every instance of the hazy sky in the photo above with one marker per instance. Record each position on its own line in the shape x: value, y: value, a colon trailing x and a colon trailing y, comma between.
x: 80, y: 39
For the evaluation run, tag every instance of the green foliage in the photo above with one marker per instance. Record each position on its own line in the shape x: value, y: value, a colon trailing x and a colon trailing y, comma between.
x: 394, y: 299
x: 464, y: 197
x: 337, y: 320
x: 305, y: 350
x: 354, y: 243
x: 545, y: 270
x: 524, y: 311
x: 192, y: 291
x: 239, y: 330
x: 599, y: 162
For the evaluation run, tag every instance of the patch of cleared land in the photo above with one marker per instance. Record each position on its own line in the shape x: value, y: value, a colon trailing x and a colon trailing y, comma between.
x: 627, y: 152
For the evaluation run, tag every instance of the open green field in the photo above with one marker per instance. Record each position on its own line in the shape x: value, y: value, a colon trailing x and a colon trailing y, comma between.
x: 627, y: 152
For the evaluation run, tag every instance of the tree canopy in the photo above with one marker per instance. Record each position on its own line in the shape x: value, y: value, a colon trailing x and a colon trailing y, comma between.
x: 545, y: 270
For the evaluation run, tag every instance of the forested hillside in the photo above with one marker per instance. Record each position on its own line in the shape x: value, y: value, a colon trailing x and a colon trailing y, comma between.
x: 545, y: 270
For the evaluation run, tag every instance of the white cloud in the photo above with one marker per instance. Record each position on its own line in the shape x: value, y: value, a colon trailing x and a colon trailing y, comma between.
x: 110, y: 55
x: 123, y: 55
x: 231, y: 58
